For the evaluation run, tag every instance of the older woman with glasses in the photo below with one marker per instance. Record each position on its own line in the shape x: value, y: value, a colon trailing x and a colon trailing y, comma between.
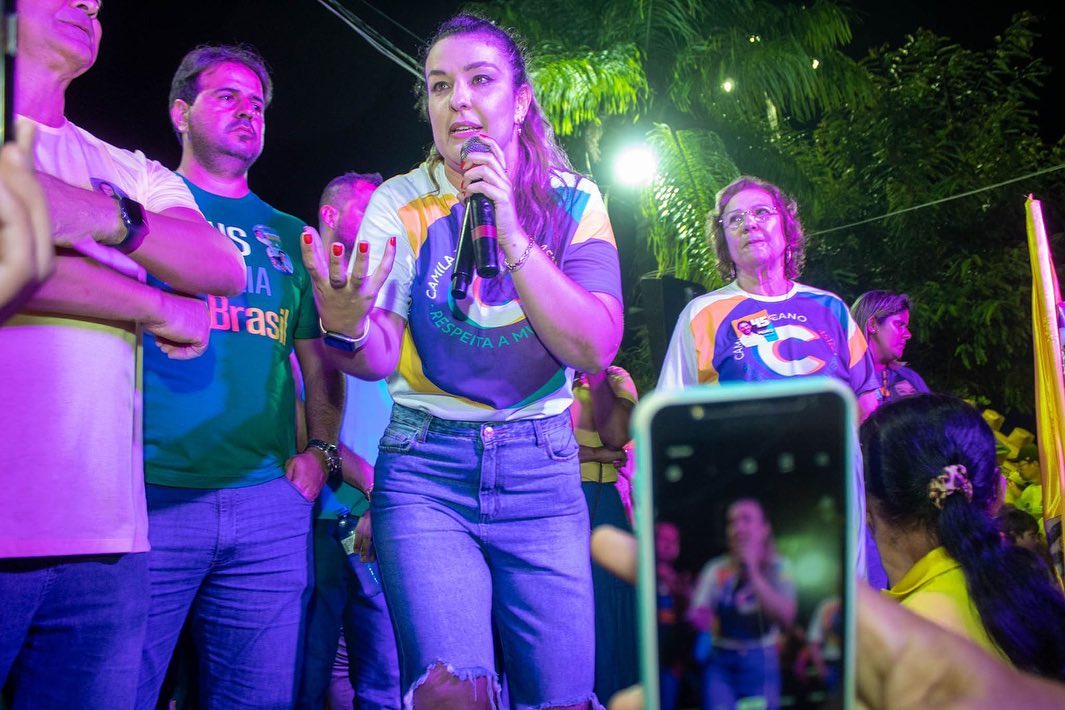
x: 764, y: 325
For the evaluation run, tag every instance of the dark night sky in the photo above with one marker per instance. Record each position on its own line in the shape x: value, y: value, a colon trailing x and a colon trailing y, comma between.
x: 339, y: 105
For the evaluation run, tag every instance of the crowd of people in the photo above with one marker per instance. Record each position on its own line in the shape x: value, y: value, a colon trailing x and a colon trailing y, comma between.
x: 212, y: 494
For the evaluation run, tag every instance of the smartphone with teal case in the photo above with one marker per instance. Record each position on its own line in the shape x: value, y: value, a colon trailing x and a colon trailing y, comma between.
x: 746, y: 518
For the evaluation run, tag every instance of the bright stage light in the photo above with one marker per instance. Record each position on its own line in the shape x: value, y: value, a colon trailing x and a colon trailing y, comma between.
x: 635, y: 166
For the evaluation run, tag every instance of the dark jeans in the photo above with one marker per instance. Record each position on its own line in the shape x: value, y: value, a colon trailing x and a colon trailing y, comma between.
x: 236, y: 560
x: 340, y: 601
x: 71, y: 630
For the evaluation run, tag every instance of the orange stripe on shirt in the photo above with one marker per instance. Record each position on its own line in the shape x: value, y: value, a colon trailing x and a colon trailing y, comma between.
x: 595, y: 224
x: 857, y: 344
x: 704, y: 328
x: 418, y: 214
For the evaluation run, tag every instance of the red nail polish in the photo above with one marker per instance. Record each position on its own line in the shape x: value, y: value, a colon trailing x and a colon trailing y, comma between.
x: 391, y: 241
x: 364, y: 247
x: 338, y: 249
x: 307, y: 238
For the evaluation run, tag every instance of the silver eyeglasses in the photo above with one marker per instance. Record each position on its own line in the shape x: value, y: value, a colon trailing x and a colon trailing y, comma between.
x: 734, y: 220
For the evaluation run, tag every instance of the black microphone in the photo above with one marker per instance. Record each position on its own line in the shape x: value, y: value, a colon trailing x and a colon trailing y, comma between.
x: 482, y: 220
x: 462, y: 273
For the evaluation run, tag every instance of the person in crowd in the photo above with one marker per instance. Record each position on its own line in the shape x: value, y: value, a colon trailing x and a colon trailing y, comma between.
x: 1019, y: 528
x: 674, y: 590
x: 480, y: 456
x: 764, y: 325
x: 884, y: 317
x: 342, y: 610
x: 932, y: 481
x: 743, y: 599
x: 73, y: 528
x: 229, y: 497
x: 789, y: 329
x: 601, y: 410
x: 27, y: 256
x: 906, y: 661
x: 823, y: 649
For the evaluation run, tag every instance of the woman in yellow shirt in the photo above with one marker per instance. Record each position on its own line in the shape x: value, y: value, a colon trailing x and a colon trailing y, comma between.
x: 931, y: 484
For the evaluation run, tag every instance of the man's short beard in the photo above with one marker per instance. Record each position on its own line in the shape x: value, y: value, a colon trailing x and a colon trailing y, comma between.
x: 220, y: 159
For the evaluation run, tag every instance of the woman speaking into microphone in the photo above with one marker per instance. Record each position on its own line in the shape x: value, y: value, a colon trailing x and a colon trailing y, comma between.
x: 478, y: 513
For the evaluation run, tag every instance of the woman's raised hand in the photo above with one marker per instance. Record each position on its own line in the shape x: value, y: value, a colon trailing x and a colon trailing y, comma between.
x: 344, y: 290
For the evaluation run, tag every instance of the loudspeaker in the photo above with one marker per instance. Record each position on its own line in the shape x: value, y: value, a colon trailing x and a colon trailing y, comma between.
x: 663, y: 300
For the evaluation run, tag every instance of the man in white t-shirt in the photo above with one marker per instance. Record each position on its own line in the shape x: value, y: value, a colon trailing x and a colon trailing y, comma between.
x: 73, y: 578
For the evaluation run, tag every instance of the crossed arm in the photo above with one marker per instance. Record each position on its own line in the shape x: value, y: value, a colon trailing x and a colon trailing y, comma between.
x: 181, y: 248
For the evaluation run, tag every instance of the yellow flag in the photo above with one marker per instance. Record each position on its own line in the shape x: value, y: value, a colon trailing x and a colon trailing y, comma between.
x: 1049, y: 377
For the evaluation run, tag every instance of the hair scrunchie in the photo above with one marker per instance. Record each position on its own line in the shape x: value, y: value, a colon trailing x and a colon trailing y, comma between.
x: 953, y: 479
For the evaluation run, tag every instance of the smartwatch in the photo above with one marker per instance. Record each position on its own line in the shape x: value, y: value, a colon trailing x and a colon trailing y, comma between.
x: 344, y: 342
x: 132, y: 214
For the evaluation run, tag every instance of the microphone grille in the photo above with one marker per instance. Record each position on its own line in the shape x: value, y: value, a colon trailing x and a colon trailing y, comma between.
x: 473, y: 145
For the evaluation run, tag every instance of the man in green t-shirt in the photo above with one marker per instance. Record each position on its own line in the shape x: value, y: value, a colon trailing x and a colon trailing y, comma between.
x: 229, y: 496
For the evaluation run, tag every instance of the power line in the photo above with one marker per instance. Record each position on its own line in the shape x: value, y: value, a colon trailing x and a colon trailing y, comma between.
x: 940, y: 201
x: 416, y: 38
x: 374, y: 38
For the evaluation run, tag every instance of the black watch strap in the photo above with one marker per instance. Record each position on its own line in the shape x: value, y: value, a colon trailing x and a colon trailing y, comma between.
x: 132, y: 214
x: 332, y: 456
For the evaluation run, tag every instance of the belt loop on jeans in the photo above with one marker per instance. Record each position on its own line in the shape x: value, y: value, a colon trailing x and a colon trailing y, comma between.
x: 423, y: 430
x: 538, y: 430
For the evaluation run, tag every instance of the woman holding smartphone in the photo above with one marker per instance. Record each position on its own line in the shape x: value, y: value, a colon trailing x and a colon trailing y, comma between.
x: 478, y: 513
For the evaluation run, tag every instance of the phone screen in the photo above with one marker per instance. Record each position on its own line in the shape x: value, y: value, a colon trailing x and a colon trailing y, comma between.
x: 8, y: 37
x: 750, y: 510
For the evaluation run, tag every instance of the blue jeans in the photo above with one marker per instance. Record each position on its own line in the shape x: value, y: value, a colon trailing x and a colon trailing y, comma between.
x: 339, y: 601
x: 478, y: 523
x: 71, y: 629
x: 732, y: 675
x: 237, y: 560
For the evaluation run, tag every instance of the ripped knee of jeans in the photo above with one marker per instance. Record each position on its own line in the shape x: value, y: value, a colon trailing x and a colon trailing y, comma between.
x: 591, y: 703
x: 444, y: 686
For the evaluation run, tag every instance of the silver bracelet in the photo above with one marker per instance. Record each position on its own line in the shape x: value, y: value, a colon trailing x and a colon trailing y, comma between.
x: 521, y: 259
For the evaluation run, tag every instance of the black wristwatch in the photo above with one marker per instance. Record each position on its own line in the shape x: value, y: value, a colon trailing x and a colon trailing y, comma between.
x: 332, y: 457
x: 132, y: 214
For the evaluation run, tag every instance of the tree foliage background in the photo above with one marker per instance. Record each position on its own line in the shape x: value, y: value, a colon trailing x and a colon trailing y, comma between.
x: 948, y: 121
x: 904, y: 127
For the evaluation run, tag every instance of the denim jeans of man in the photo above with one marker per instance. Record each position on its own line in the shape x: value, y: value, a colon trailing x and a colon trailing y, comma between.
x: 477, y: 523
x: 71, y: 630
x: 338, y: 602
x: 237, y: 560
